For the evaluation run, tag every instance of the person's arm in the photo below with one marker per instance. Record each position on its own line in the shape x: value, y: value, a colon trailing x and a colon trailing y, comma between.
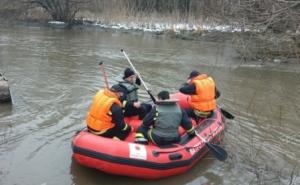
x: 186, y: 123
x: 218, y: 94
x: 125, y: 104
x: 149, y: 118
x: 117, y: 117
x: 188, y: 89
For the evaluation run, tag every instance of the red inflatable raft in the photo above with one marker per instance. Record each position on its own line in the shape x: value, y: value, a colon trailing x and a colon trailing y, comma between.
x: 147, y: 161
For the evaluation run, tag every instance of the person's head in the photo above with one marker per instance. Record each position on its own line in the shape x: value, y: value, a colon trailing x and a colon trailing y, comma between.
x: 193, y: 74
x: 163, y: 95
x: 117, y: 89
x: 129, y: 75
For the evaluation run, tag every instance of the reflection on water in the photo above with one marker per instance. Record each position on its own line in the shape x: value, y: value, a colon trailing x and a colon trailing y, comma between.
x: 54, y: 74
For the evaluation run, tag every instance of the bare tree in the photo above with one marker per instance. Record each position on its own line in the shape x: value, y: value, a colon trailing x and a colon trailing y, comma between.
x: 278, y: 22
x: 59, y: 10
x: 277, y: 15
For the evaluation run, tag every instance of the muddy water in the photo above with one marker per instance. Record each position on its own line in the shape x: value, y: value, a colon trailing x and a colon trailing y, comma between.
x: 53, y: 75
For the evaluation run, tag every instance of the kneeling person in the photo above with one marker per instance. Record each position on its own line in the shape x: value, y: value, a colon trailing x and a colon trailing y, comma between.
x: 105, y: 117
x: 161, y: 124
x: 203, y: 92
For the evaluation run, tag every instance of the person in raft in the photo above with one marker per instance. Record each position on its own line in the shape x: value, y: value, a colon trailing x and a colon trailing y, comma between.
x: 131, y: 105
x: 105, y: 117
x: 161, y: 124
x: 203, y: 93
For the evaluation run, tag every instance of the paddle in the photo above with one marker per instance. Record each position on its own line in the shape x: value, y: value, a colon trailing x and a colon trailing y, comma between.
x: 227, y: 114
x: 104, y: 74
x: 216, y: 150
x: 138, y: 74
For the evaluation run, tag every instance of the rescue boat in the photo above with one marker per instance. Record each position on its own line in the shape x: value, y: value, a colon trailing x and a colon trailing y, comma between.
x: 148, y: 161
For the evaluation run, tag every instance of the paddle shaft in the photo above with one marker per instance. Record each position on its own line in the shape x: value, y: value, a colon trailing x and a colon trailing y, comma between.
x: 104, y: 74
x: 198, y: 135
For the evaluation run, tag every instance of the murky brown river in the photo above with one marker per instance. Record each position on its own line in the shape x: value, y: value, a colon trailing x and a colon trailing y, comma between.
x: 53, y: 75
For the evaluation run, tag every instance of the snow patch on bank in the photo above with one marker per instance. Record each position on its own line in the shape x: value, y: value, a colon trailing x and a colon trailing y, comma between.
x: 158, y: 27
x: 57, y: 22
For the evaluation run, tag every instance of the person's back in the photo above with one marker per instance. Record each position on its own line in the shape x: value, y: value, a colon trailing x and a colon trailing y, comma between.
x: 97, y: 118
x: 105, y: 116
x: 167, y: 122
x: 204, y: 99
x: 203, y: 93
x: 162, y: 123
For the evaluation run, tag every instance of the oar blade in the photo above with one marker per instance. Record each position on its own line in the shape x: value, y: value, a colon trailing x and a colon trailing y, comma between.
x: 227, y: 114
x: 217, y: 151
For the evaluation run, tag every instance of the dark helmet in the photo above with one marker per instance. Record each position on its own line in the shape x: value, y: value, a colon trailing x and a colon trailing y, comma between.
x: 193, y: 74
x: 128, y: 72
x: 163, y: 95
x: 117, y: 88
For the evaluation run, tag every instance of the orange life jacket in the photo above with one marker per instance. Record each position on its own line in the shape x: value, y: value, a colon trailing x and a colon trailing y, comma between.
x: 204, y: 99
x: 99, y: 117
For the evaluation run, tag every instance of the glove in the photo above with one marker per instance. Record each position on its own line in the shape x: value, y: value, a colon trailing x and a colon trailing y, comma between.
x: 192, y: 134
x: 138, y: 81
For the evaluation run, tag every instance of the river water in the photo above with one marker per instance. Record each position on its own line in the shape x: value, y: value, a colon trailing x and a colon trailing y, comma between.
x: 54, y: 73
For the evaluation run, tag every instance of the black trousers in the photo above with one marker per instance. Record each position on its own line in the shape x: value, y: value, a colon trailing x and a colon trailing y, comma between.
x: 141, y: 111
x: 191, y: 113
x: 113, y: 132
x: 160, y: 141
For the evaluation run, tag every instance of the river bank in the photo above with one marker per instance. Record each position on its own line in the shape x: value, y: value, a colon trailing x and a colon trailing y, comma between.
x: 253, y: 45
x: 249, y: 52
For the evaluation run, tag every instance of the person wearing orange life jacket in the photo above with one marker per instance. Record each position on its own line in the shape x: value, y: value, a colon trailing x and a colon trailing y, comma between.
x: 105, y: 117
x: 203, y: 93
